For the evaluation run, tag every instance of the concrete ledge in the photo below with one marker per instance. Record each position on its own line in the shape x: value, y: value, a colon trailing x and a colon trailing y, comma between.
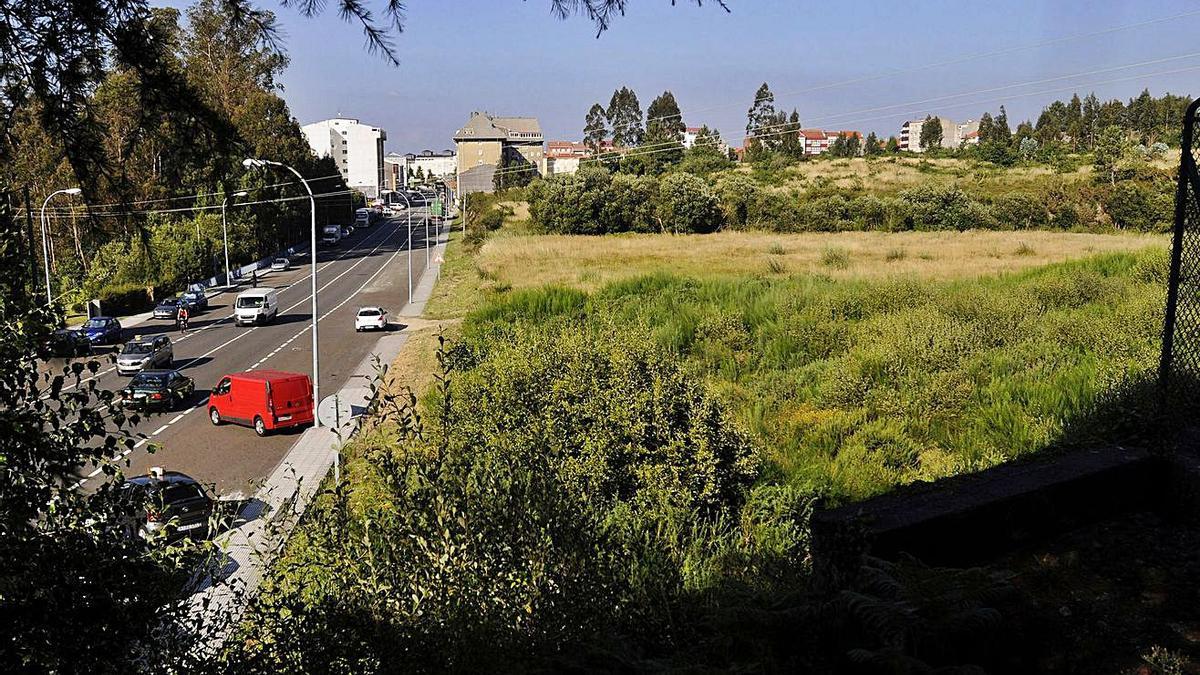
x: 968, y: 519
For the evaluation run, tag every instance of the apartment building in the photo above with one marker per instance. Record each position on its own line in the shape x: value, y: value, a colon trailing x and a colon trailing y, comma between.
x: 954, y: 134
x: 486, y: 141
x: 398, y: 167
x: 817, y: 141
x: 563, y: 157
x: 356, y: 148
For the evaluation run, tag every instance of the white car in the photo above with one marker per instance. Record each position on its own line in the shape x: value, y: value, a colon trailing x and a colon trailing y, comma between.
x: 370, y: 318
x: 281, y: 265
x: 388, y: 212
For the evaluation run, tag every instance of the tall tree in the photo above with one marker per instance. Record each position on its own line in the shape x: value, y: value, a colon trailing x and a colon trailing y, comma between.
x: 987, y: 128
x: 624, y: 116
x: 931, y: 133
x: 663, y: 140
x: 790, y: 142
x: 595, y: 128
x: 1003, y: 134
x: 762, y: 113
x: 872, y: 146
x: 893, y: 145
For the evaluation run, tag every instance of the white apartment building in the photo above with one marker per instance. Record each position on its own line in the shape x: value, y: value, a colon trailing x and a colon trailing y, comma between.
x: 356, y: 148
x: 952, y: 134
x: 398, y: 167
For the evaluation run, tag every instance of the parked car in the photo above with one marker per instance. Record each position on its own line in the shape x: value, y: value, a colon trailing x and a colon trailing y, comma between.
x: 281, y: 265
x: 263, y: 399
x: 150, y: 351
x: 158, y: 389
x: 370, y: 318
x: 362, y: 218
x: 330, y: 240
x: 167, y: 308
x: 68, y: 342
x: 102, y: 330
x: 169, y: 504
x: 196, y: 301
x: 388, y: 212
x: 256, y: 305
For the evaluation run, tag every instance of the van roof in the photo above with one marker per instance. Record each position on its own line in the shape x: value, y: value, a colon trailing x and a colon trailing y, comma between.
x: 267, y: 375
x: 256, y: 291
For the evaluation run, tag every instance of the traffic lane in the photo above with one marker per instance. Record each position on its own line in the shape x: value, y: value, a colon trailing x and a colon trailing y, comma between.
x: 220, y: 314
x: 233, y: 458
x: 204, y: 366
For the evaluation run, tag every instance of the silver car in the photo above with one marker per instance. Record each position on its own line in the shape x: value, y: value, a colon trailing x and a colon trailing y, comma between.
x: 281, y: 265
x: 151, y: 351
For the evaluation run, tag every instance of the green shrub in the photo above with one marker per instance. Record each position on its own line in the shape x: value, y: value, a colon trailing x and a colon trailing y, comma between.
x: 124, y: 299
x: 837, y: 258
x: 686, y: 204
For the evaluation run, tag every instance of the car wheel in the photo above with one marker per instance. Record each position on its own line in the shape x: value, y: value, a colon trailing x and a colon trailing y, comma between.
x: 260, y: 427
x: 214, y: 416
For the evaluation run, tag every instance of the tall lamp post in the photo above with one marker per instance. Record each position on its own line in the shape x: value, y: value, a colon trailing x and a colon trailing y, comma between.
x: 46, y: 238
x: 225, y: 234
x: 250, y: 163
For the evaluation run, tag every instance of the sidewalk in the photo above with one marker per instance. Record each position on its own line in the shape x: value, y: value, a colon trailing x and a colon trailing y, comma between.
x: 278, y: 505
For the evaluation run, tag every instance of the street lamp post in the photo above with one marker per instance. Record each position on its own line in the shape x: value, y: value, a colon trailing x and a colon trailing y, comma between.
x: 408, y: 245
x: 46, y: 239
x: 225, y: 235
x: 312, y: 201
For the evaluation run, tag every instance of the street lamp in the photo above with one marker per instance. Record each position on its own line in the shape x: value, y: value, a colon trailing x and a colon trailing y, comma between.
x: 225, y: 234
x: 312, y: 201
x: 45, y: 237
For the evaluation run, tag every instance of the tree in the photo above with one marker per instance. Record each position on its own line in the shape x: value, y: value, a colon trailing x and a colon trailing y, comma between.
x: 893, y: 145
x: 595, y: 128
x: 706, y: 155
x: 1111, y: 147
x: 761, y: 120
x: 987, y: 128
x: 790, y: 142
x: 624, y: 116
x: 1002, y: 134
x: 513, y: 171
x: 664, y: 132
x: 872, y: 146
x: 853, y: 145
x: 931, y: 133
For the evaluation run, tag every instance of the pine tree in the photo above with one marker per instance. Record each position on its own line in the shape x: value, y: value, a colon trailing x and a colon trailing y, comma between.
x: 595, y: 128
x: 853, y: 145
x: 987, y: 128
x: 1090, y: 122
x: 788, y: 137
x: 1003, y: 134
x: 893, y: 145
x: 871, y: 148
x: 664, y: 133
x: 760, y: 118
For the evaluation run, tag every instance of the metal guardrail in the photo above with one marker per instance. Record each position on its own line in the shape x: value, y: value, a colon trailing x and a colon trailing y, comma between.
x: 1179, y: 369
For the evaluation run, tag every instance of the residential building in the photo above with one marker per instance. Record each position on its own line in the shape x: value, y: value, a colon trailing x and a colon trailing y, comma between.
x: 817, y: 141
x: 689, y: 136
x: 564, y: 157
x: 399, y: 167
x: 953, y: 134
x: 486, y: 141
x: 356, y: 148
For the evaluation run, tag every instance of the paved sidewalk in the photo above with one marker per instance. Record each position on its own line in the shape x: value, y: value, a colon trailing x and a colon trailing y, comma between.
x: 276, y: 507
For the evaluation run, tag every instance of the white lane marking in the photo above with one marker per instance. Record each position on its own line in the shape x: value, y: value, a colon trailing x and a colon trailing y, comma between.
x: 140, y: 443
x: 159, y: 430
x: 176, y: 418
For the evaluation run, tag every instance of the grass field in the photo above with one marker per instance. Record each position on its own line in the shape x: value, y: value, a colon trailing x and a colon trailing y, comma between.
x: 510, y: 261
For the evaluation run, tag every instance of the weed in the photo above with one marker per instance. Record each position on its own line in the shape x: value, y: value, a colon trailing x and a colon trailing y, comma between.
x: 774, y: 266
x: 1024, y: 249
x: 896, y: 254
x: 776, y: 249
x: 836, y: 258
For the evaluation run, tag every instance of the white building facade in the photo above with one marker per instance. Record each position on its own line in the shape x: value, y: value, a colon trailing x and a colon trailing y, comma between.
x: 356, y: 148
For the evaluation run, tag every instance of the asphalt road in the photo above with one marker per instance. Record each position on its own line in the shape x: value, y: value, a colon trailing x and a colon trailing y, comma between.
x: 369, y: 268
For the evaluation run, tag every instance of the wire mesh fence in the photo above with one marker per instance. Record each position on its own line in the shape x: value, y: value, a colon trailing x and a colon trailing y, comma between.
x: 1180, y: 367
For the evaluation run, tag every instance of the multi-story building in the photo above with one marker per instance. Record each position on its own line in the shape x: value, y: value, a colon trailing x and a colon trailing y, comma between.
x: 817, y: 141
x: 356, y: 148
x: 953, y: 134
x: 564, y: 157
x: 689, y: 136
x: 399, y: 168
x: 486, y: 141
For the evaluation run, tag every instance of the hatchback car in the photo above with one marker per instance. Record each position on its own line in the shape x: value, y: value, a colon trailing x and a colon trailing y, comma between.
x: 167, y: 308
x: 150, y: 351
x: 158, y: 389
x: 281, y: 265
x: 102, y: 330
x: 196, y: 301
x: 370, y: 318
x: 66, y: 342
x: 169, y: 504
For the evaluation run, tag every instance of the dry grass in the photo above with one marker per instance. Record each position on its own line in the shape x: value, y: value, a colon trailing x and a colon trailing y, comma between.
x: 522, y: 261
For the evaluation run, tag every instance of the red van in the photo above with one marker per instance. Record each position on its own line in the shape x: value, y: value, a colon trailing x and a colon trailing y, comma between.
x: 263, y: 399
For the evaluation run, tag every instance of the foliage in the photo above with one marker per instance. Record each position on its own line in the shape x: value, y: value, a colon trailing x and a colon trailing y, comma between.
x: 595, y: 128
x: 931, y: 133
x: 686, y: 204
x: 624, y: 115
x: 705, y: 156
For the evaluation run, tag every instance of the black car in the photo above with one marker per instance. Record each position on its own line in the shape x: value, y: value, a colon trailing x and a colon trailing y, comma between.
x: 66, y: 342
x: 196, y: 301
x: 169, y: 504
x: 162, y: 389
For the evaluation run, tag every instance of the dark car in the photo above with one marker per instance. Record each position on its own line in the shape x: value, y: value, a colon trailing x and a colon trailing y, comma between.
x: 101, y: 330
x: 169, y: 504
x: 162, y: 389
x: 148, y: 351
x: 167, y: 308
x: 196, y: 301
x: 67, y: 342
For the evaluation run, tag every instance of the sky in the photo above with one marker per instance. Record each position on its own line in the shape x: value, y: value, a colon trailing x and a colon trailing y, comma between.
x: 854, y: 64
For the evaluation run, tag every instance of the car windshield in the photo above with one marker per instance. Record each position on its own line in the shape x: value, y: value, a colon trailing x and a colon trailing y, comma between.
x: 250, y: 303
x: 138, y: 348
x: 281, y: 261
x: 149, y: 380
x: 191, y: 296
x: 168, y: 302
x: 96, y: 323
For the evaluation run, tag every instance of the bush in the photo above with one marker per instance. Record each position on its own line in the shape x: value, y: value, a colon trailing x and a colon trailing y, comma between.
x: 686, y: 204
x: 1135, y: 205
x: 126, y: 298
x: 1020, y: 211
x: 945, y: 207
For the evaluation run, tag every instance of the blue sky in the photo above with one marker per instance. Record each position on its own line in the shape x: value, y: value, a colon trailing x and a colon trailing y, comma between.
x: 513, y: 57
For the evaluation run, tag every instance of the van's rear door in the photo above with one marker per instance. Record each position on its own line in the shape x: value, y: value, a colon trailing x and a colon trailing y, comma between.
x: 291, y: 396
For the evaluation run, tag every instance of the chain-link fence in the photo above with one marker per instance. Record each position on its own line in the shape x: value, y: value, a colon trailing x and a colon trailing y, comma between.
x: 1180, y: 368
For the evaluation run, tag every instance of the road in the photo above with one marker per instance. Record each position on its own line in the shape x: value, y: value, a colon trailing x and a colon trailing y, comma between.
x: 370, y: 268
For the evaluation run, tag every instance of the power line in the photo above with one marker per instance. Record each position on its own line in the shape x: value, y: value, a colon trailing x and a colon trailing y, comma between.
x: 939, y: 64
x: 63, y: 216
